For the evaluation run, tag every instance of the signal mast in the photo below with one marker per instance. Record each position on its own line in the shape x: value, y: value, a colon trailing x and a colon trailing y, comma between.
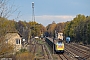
x: 33, y: 15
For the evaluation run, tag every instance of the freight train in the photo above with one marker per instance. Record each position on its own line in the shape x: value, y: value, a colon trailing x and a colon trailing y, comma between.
x: 58, y: 45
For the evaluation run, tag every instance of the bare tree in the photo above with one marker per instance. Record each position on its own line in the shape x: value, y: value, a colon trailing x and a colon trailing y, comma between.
x: 5, y: 10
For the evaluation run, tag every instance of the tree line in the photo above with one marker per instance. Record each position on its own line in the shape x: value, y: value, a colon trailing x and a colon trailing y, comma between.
x: 24, y: 28
x: 77, y: 29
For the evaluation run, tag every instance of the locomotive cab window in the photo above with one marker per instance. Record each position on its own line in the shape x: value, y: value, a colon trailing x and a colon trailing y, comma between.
x: 59, y: 41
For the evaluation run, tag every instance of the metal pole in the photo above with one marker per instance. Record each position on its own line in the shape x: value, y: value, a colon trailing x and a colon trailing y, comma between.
x: 33, y: 15
x: 53, y: 46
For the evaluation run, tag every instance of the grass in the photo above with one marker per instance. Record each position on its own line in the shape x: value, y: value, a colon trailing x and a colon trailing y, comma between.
x: 25, y: 56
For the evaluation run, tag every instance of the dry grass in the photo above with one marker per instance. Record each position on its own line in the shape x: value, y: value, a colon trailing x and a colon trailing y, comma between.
x: 25, y: 56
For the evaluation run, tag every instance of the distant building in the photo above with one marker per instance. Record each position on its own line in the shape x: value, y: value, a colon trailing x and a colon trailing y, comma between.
x: 60, y: 36
x: 14, y: 38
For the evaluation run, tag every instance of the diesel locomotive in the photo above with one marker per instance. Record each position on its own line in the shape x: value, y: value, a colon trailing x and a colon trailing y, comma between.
x: 58, y: 44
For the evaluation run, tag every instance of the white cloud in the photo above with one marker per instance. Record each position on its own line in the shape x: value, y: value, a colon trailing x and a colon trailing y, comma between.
x: 47, y: 19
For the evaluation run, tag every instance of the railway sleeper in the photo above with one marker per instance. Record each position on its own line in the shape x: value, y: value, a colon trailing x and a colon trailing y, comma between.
x: 80, y: 58
x: 45, y: 53
x: 87, y: 56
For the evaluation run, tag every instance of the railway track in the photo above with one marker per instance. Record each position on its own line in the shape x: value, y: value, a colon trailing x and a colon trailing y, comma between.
x: 70, y: 54
x: 42, y: 53
x: 33, y: 48
x: 43, y: 49
x: 88, y: 46
x: 73, y: 53
x: 62, y: 57
x: 65, y: 56
x: 82, y: 47
x: 47, y: 53
x: 71, y: 50
x: 85, y: 50
x: 77, y: 52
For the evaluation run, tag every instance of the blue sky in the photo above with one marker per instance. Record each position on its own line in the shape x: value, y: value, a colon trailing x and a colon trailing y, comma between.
x: 47, y: 11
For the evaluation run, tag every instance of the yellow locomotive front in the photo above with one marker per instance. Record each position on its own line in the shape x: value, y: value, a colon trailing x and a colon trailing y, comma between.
x: 59, y: 47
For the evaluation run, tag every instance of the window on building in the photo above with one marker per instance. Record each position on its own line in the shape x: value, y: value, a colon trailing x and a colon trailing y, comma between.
x: 17, y: 41
x: 6, y: 41
x: 61, y: 34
